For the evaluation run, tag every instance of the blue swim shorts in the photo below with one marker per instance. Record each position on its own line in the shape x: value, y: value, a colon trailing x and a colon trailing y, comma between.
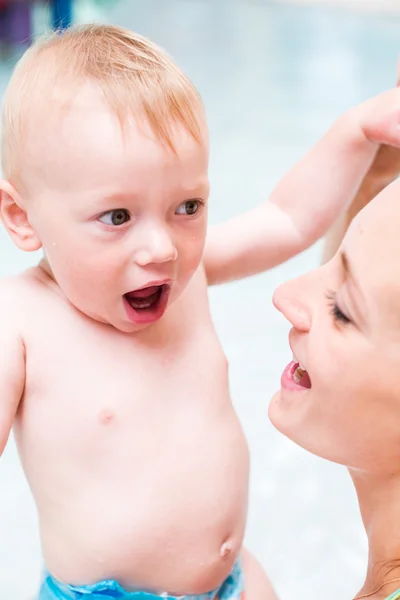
x: 231, y: 589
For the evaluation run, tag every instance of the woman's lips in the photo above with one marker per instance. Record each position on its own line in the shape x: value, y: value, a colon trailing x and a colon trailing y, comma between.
x: 295, y: 378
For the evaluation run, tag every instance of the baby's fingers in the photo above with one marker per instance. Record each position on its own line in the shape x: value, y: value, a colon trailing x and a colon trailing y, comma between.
x: 384, y: 130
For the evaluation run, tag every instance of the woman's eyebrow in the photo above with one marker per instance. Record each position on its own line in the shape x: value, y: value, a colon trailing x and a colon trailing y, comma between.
x: 349, y: 272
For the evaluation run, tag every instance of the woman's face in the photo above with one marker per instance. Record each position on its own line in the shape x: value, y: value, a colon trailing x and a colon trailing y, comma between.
x: 346, y: 335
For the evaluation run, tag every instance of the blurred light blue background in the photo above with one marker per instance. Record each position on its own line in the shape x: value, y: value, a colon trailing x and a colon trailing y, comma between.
x: 273, y: 77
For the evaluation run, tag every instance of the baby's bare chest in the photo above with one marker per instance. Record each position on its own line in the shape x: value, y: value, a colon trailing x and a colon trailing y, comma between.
x: 101, y: 383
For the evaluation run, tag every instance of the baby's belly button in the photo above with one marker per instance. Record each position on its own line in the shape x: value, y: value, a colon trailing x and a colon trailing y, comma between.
x: 226, y: 549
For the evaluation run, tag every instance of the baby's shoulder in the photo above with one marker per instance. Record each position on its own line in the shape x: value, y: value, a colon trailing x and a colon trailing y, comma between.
x: 17, y: 294
x: 12, y: 296
x: 11, y: 289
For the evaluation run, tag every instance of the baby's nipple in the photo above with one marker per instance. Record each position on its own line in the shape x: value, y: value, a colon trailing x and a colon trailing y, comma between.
x: 106, y: 416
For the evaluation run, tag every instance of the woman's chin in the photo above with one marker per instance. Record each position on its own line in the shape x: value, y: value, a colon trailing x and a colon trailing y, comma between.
x: 288, y: 411
x: 296, y: 422
x: 289, y: 415
x: 275, y: 413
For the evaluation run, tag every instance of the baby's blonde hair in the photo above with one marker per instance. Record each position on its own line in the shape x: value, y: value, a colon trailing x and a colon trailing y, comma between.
x: 134, y: 75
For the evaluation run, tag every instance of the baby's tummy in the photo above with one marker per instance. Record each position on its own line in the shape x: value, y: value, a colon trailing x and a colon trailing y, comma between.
x: 158, y: 508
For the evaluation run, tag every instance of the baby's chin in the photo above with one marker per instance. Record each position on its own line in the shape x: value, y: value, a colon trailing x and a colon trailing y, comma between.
x: 120, y: 319
x: 116, y: 314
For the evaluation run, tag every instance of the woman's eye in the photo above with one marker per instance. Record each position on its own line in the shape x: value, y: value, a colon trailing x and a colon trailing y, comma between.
x: 337, y: 314
x: 190, y: 207
x: 116, y: 217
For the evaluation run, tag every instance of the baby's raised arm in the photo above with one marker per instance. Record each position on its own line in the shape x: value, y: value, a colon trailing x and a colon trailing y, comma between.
x: 12, y: 365
x: 307, y: 201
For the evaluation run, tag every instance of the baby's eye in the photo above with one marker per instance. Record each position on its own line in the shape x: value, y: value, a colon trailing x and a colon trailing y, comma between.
x: 116, y: 217
x: 190, y: 207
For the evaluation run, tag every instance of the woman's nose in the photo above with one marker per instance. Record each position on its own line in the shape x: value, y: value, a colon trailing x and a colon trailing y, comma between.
x: 289, y: 298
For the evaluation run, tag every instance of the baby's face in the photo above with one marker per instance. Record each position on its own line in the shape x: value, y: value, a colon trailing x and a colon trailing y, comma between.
x: 346, y: 335
x: 117, y: 212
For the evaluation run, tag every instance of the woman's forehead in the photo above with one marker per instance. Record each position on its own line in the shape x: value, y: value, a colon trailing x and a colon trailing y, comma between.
x: 376, y: 229
x: 372, y: 246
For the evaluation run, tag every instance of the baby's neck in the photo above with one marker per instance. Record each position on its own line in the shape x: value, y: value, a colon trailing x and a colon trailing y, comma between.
x: 379, y: 500
x: 45, y: 267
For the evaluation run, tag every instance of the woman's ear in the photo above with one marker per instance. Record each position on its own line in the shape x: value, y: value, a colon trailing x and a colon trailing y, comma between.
x: 15, y: 219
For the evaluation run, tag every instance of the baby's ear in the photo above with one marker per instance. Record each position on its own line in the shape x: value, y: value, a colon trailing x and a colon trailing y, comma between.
x: 15, y: 219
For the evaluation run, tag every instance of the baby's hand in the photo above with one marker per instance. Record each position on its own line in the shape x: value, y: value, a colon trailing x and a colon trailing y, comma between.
x: 386, y: 165
x: 381, y: 123
x: 380, y: 118
x: 385, y: 168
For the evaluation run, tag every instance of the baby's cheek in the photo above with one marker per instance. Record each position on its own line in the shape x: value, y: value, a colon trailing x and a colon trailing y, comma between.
x: 190, y: 261
x: 95, y: 267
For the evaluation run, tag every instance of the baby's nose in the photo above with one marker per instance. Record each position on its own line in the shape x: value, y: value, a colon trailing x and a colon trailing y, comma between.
x: 159, y: 247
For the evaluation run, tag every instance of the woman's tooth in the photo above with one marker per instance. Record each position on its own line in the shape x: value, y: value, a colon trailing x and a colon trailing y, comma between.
x: 298, y: 374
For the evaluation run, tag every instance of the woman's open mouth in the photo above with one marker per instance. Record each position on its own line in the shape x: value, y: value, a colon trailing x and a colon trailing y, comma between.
x: 146, y: 305
x: 295, y: 377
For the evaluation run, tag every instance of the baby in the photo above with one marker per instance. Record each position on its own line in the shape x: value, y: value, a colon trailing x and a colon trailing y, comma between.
x: 110, y: 369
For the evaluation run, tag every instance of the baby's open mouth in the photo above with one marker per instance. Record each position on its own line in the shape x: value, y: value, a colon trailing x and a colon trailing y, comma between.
x: 301, y: 376
x: 147, y: 304
x: 145, y: 298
